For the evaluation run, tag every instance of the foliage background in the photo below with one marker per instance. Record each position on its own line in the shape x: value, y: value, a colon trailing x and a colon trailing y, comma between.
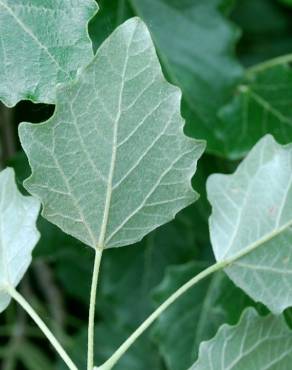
x: 206, y: 48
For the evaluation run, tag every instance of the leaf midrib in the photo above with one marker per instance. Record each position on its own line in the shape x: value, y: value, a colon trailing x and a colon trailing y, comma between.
x: 267, y: 106
x: 267, y: 237
x: 109, y: 191
x: 275, y: 231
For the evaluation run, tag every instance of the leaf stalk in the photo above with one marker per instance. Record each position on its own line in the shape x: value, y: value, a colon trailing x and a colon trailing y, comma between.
x: 283, y: 59
x: 40, y: 323
x: 91, y: 319
x: 109, y: 364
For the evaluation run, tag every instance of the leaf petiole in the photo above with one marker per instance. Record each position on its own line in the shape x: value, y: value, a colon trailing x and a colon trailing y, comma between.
x: 47, y: 332
x: 283, y: 59
x: 108, y: 365
x: 90, y: 349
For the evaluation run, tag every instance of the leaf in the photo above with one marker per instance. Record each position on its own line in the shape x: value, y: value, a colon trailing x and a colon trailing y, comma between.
x: 254, y: 343
x: 112, y: 164
x: 251, y: 222
x: 198, y: 57
x: 54, y: 245
x: 41, y: 45
x: 263, y: 105
x: 196, y: 316
x: 122, y: 295
x: 18, y: 234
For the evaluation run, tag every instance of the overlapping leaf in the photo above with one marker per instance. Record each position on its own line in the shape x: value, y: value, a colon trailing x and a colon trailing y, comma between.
x: 263, y: 105
x: 113, y: 163
x: 196, y: 316
x: 255, y: 343
x: 18, y: 234
x: 251, y: 223
x: 42, y: 43
x: 195, y: 43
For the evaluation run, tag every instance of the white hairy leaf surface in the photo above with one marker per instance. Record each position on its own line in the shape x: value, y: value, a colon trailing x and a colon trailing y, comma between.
x: 251, y: 223
x: 18, y: 233
x: 42, y: 43
x: 261, y: 343
x: 113, y: 163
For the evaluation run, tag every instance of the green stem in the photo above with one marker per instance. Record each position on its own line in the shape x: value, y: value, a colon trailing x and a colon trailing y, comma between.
x: 32, y: 313
x: 269, y: 64
x: 90, y: 348
x: 108, y: 365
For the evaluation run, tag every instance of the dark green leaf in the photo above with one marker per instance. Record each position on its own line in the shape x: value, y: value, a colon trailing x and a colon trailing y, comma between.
x: 196, y: 316
x: 195, y: 43
x: 263, y: 104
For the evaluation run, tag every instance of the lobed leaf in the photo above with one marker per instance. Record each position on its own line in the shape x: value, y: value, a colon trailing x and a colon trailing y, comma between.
x: 254, y: 343
x: 251, y: 223
x: 18, y: 234
x: 42, y: 43
x: 112, y: 164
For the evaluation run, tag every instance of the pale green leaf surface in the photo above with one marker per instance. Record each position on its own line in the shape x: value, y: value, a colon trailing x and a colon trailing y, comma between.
x: 262, y: 105
x: 256, y: 342
x: 197, y: 315
x: 251, y: 223
x: 42, y: 43
x: 112, y: 164
x: 18, y: 233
